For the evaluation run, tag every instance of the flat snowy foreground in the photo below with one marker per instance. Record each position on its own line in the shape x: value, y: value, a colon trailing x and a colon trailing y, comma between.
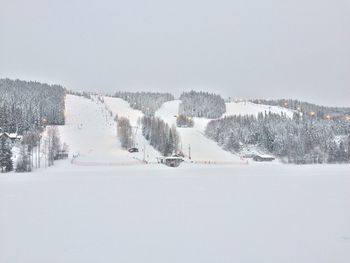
x: 245, y: 213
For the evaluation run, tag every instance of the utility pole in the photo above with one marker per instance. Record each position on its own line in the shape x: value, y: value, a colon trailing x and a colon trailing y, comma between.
x: 189, y: 151
x: 45, y: 148
x: 144, y: 151
x: 39, y: 150
x: 50, y: 152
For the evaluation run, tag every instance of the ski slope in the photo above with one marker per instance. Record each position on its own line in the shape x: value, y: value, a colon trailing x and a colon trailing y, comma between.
x: 122, y: 108
x: 91, y: 133
x: 193, y: 140
x: 250, y: 108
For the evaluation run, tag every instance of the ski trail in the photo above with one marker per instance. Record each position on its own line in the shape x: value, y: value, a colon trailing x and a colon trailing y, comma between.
x: 193, y: 141
x: 90, y: 133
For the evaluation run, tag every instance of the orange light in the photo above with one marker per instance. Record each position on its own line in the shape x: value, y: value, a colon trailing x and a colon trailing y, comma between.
x: 312, y: 113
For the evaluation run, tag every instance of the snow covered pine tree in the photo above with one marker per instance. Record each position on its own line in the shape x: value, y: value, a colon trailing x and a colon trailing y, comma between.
x: 6, y: 163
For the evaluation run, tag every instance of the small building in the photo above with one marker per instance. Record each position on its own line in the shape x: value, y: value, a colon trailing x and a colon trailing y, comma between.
x: 15, y: 137
x: 10, y: 138
x: 6, y: 137
x: 248, y: 155
x: 263, y: 158
x: 61, y: 155
x: 171, y: 161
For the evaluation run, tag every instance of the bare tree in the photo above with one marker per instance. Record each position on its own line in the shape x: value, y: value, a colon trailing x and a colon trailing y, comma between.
x: 31, y: 139
x: 53, y: 143
x: 23, y: 161
x: 124, y: 131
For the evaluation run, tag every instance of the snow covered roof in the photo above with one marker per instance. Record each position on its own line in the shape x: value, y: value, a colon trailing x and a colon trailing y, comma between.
x: 4, y: 133
x: 264, y: 155
x: 11, y: 135
x: 15, y: 135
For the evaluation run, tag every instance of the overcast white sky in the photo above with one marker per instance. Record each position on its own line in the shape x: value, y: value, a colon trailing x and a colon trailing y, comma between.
x: 243, y: 48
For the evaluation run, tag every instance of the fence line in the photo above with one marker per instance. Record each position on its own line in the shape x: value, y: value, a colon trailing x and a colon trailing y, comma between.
x: 222, y: 162
x: 74, y: 161
x: 82, y: 163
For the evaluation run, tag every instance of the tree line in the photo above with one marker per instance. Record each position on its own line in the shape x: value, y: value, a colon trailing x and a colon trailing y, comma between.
x: 147, y: 102
x: 317, y: 111
x: 27, y: 108
x: 202, y: 104
x: 85, y: 94
x: 302, y: 139
x: 30, y: 105
x: 162, y: 137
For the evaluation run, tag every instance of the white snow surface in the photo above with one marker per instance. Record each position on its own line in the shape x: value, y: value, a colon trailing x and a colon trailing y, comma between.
x: 254, y: 213
x: 250, y: 108
x: 91, y: 133
x: 122, y: 109
x: 97, y: 212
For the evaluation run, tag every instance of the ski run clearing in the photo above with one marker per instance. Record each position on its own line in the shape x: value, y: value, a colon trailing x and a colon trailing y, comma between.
x: 108, y: 206
x: 249, y: 108
x: 193, y: 139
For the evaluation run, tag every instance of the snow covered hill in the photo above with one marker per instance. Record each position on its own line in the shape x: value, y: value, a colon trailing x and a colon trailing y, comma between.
x: 97, y: 212
x: 193, y: 140
x: 90, y: 133
x: 122, y: 108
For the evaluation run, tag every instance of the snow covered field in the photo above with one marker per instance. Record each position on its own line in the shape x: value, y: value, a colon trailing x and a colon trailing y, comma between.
x: 256, y: 213
x: 97, y: 210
